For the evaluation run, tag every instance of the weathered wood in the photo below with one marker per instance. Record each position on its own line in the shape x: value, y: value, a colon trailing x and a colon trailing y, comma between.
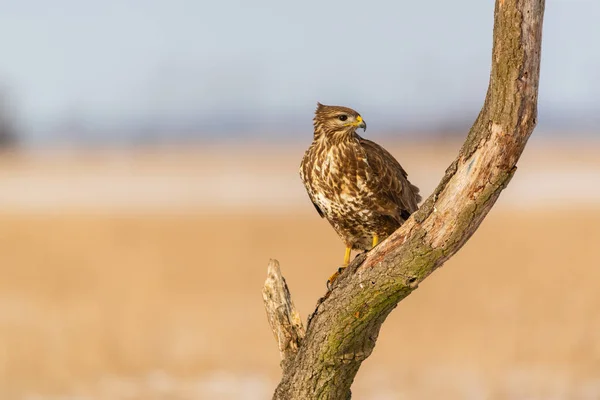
x: 342, y: 331
x: 283, y: 317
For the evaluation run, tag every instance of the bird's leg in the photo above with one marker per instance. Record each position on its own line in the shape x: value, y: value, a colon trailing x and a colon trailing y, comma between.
x: 347, y: 256
x: 375, y: 240
x: 337, y: 273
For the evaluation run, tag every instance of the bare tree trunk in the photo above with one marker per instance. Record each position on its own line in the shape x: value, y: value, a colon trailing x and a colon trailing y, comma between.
x: 342, y: 331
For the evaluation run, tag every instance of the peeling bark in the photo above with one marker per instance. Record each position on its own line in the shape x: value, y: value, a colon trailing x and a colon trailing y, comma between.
x: 283, y: 317
x: 342, y: 331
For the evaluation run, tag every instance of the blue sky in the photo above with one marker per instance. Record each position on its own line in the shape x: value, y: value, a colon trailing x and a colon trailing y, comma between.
x: 114, y: 61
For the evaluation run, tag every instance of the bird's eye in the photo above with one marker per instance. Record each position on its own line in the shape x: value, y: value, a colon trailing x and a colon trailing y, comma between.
x: 343, y: 117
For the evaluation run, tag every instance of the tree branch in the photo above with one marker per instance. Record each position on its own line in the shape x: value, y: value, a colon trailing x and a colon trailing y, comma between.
x: 283, y: 317
x: 342, y: 331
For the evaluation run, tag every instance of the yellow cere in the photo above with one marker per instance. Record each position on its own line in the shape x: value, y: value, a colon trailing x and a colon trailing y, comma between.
x: 356, y: 122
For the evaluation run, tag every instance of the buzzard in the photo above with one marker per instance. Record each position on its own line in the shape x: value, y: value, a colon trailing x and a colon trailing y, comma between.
x: 354, y: 183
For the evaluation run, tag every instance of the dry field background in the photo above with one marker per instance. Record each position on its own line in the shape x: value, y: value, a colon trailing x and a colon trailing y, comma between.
x: 138, y: 276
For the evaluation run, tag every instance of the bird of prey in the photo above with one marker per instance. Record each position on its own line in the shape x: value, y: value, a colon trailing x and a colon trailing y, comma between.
x: 354, y: 183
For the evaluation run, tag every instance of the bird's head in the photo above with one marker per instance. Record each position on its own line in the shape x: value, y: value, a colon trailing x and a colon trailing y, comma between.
x: 337, y: 122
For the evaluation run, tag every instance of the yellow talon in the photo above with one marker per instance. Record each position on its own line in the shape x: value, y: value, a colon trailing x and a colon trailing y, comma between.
x: 333, y: 277
x: 375, y: 240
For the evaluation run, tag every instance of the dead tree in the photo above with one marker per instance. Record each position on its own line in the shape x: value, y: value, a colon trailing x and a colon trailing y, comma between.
x: 322, y: 361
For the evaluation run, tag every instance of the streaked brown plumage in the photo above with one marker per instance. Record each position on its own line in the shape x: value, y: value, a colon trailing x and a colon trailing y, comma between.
x: 354, y: 183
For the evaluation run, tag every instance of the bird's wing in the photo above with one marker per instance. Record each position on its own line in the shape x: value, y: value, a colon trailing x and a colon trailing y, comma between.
x: 391, y: 180
x: 306, y: 168
x: 317, y: 207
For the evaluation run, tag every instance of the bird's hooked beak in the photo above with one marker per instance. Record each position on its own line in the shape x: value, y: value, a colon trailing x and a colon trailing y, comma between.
x: 360, y: 123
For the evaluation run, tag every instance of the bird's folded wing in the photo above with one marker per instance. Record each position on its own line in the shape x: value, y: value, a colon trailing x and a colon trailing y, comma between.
x: 391, y: 179
x: 305, y: 172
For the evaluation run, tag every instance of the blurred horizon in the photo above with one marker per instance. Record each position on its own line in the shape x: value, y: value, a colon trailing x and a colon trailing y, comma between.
x: 149, y: 155
x: 123, y: 73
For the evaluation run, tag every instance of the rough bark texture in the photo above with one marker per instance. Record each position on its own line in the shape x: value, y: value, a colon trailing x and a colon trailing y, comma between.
x: 342, y: 331
x: 283, y: 317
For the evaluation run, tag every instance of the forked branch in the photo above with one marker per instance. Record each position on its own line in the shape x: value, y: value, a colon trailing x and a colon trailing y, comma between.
x: 342, y: 331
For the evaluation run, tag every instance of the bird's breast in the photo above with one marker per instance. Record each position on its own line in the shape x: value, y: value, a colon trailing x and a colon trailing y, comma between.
x: 340, y: 182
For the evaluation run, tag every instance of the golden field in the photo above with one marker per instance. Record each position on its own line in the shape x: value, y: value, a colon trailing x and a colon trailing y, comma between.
x: 138, y: 275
